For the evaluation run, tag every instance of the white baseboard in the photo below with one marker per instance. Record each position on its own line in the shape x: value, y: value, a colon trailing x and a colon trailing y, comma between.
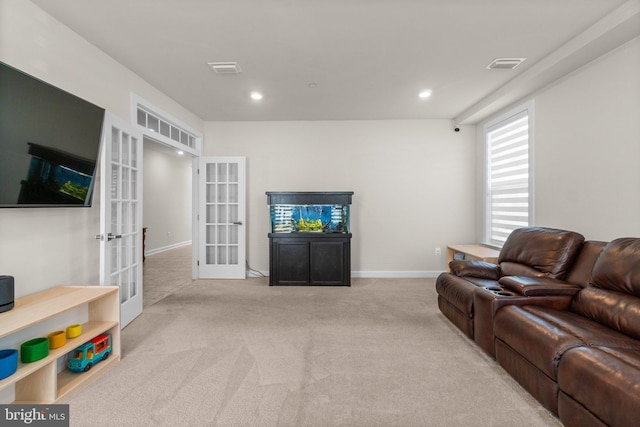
x: 166, y: 248
x: 395, y: 274
x: 382, y: 274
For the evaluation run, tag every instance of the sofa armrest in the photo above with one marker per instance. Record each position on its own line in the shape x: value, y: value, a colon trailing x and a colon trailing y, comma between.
x: 538, y: 286
x: 488, y: 301
x: 479, y: 269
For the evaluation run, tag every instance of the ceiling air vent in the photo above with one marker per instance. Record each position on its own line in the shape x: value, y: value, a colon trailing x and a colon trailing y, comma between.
x: 505, y: 63
x: 225, y: 67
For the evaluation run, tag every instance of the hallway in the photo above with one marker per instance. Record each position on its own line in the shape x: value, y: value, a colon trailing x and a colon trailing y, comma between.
x: 165, y: 273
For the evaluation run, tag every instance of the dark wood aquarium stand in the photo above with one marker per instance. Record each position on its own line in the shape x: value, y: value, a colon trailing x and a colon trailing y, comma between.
x: 310, y: 258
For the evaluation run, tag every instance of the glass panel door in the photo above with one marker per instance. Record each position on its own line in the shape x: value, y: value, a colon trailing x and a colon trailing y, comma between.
x: 120, y: 223
x: 221, y: 218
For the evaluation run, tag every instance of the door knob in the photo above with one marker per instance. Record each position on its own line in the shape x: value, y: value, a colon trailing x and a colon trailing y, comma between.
x: 110, y: 236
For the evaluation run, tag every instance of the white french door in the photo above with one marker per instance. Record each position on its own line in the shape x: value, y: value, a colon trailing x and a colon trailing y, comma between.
x: 221, y: 218
x: 121, y: 215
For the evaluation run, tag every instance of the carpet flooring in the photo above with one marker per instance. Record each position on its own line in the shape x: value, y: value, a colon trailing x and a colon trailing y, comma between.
x: 241, y: 353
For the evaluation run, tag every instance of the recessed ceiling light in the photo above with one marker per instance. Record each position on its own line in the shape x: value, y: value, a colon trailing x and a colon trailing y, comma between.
x: 313, y: 85
x: 425, y: 94
x: 256, y: 96
x: 180, y: 152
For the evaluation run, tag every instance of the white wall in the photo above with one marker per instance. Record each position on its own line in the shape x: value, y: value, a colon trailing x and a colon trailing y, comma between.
x: 413, y: 184
x: 46, y: 247
x: 167, y: 197
x: 414, y: 181
x: 587, y: 148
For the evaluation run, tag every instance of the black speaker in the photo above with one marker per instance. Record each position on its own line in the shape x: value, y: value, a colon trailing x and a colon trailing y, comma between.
x: 6, y: 293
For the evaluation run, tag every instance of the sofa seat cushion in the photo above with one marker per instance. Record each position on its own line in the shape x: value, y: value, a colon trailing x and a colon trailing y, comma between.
x: 536, y: 339
x: 542, y: 335
x: 614, y: 373
x: 515, y: 269
x: 592, y: 334
x: 458, y: 291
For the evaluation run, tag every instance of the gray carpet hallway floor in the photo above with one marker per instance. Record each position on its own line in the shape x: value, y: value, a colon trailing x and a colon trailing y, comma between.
x: 241, y: 353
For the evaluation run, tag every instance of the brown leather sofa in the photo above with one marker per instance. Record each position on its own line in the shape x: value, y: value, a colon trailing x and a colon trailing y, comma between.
x: 574, y: 344
x: 582, y: 361
x: 529, y: 251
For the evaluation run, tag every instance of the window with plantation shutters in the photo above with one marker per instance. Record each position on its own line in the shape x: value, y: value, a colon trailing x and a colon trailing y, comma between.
x: 508, y: 177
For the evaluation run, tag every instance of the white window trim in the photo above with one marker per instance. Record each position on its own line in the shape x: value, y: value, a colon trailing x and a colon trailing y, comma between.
x: 137, y: 101
x: 529, y: 107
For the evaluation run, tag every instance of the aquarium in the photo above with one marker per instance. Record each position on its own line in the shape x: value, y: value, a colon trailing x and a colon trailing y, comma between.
x: 309, y: 212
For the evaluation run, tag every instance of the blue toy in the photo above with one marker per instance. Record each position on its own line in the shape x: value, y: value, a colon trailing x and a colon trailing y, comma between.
x: 90, y: 353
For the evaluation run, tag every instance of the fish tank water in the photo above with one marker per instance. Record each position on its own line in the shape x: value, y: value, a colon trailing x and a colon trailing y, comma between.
x: 307, y: 216
x: 310, y: 218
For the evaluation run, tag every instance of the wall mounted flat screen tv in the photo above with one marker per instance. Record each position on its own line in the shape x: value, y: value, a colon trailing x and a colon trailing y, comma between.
x: 49, y: 143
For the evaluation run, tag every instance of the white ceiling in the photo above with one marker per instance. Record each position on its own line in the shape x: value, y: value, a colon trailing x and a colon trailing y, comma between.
x: 368, y: 58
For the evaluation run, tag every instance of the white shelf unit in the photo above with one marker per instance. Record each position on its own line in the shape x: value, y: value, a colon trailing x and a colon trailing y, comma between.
x: 39, y: 382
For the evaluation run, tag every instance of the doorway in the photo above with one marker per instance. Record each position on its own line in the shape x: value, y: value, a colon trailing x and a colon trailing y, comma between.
x: 167, y: 219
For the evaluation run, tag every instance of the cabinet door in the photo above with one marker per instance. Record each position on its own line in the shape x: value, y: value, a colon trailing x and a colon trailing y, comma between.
x: 291, y: 259
x: 328, y: 262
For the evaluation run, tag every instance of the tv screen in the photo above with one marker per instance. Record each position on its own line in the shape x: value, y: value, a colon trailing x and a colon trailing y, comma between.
x: 49, y: 143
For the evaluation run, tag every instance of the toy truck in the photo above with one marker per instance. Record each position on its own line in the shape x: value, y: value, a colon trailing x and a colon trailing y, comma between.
x: 88, y: 354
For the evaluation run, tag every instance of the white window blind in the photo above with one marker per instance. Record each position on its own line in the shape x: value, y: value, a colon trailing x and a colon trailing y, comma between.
x: 508, y: 174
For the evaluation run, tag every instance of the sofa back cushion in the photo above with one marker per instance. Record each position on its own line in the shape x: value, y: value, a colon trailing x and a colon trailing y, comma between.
x: 616, y: 310
x: 613, y: 295
x: 580, y: 273
x: 539, y: 251
x: 618, y: 267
